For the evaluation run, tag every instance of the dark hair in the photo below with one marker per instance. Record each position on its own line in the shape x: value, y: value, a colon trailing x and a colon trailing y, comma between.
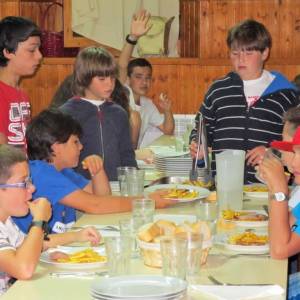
x: 296, y: 81
x: 138, y: 62
x: 9, y: 156
x: 249, y: 34
x: 292, y: 116
x: 14, y: 30
x: 49, y: 127
x: 64, y: 92
x: 120, y: 95
x: 91, y: 62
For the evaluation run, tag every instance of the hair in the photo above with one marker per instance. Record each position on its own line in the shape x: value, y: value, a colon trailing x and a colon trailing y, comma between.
x: 9, y: 156
x: 14, y: 30
x: 292, y: 116
x: 296, y: 81
x: 64, y: 92
x: 249, y: 34
x: 91, y: 62
x: 47, y: 128
x: 120, y: 95
x: 137, y: 62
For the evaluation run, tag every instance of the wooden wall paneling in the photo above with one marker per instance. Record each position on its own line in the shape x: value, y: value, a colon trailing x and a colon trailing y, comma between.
x: 9, y: 8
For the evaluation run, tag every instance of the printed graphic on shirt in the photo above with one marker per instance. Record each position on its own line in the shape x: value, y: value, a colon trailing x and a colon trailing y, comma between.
x: 251, y: 100
x: 19, y: 115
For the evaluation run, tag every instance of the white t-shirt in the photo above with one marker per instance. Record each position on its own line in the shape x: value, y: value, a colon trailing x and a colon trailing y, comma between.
x: 151, y: 118
x: 11, y: 237
x: 253, y: 89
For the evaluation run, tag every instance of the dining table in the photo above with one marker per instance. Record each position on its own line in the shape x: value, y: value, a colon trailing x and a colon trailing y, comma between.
x: 225, y: 265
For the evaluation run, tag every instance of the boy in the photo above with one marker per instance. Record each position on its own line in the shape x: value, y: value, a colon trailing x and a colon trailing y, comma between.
x: 19, y: 254
x: 54, y: 149
x: 244, y: 109
x: 19, y: 56
x: 105, y: 124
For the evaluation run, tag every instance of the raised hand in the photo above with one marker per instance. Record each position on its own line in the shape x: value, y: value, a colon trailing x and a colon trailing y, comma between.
x: 93, y: 163
x: 140, y: 24
x: 164, y: 102
x: 40, y: 209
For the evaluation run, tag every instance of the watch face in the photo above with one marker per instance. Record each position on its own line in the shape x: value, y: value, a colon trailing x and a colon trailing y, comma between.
x: 280, y: 196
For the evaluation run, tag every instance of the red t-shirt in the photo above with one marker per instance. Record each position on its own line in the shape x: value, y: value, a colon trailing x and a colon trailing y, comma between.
x: 14, y: 114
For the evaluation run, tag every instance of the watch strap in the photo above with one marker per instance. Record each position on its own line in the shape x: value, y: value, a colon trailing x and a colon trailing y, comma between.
x: 44, y: 226
x: 130, y: 41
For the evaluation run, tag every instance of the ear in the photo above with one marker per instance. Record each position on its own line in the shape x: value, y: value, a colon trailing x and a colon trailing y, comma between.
x: 265, y: 54
x: 56, y: 149
x: 7, y: 54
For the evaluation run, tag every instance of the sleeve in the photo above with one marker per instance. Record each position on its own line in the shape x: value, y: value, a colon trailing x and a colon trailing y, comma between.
x: 50, y: 183
x: 296, y: 213
x: 15, y: 235
x: 155, y: 118
x: 127, y: 153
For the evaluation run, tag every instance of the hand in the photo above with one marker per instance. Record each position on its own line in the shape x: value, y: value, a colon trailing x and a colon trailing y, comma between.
x: 272, y: 172
x: 89, y: 234
x: 93, y: 163
x: 160, y: 202
x: 255, y: 155
x: 139, y: 24
x: 193, y: 150
x: 164, y: 102
x: 40, y: 209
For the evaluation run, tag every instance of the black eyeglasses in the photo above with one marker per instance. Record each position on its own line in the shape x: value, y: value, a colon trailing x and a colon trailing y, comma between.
x: 27, y: 183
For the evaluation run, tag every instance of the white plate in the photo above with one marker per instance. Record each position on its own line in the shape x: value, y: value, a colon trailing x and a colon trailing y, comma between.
x: 45, y: 258
x: 178, y: 219
x: 202, y: 192
x: 256, y: 194
x: 251, y: 223
x: 167, y: 151
x: 138, y: 287
x: 223, y: 239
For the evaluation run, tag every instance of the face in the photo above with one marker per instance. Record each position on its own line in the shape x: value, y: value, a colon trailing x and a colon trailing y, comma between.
x: 295, y: 164
x: 248, y: 63
x: 27, y: 57
x: 140, y: 80
x: 287, y: 157
x: 14, y: 200
x: 100, y: 88
x: 66, y: 155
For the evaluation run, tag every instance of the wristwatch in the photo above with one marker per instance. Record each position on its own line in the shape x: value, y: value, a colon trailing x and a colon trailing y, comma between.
x: 129, y: 40
x: 279, y: 196
x: 43, y: 225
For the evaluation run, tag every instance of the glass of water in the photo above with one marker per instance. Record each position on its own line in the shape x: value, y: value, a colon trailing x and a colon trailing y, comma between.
x: 208, y: 211
x: 143, y: 210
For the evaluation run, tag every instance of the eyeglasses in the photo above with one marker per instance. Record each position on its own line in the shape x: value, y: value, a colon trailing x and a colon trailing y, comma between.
x: 27, y: 183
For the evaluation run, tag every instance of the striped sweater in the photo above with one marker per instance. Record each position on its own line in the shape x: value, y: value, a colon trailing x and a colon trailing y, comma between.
x: 231, y: 124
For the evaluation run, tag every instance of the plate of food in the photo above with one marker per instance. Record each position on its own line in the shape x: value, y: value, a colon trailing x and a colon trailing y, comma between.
x: 248, y: 242
x: 246, y: 218
x: 256, y: 190
x: 75, y: 257
x: 179, y: 192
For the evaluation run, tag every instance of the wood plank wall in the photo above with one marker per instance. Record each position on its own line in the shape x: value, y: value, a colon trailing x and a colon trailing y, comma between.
x: 185, y: 79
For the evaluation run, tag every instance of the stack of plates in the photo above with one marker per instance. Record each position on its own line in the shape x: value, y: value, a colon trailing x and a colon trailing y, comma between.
x: 173, y: 166
x: 140, y: 287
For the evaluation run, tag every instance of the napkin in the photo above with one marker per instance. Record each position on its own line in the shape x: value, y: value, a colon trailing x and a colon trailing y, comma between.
x: 234, y: 292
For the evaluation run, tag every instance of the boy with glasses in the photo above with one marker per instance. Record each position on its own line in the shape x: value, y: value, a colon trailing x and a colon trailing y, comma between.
x: 19, y: 254
x: 244, y: 109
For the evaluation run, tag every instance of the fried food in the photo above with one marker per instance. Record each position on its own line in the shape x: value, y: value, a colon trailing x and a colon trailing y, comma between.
x: 248, y: 238
x: 255, y: 188
x: 85, y: 256
x: 199, y: 183
x: 247, y: 216
x: 178, y: 193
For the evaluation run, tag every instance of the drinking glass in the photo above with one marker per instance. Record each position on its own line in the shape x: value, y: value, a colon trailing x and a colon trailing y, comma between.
x: 121, y: 171
x: 208, y: 211
x: 118, y: 251
x: 135, y: 182
x: 143, y: 210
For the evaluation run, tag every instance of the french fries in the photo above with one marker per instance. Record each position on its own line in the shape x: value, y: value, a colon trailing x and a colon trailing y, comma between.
x: 231, y: 215
x: 180, y: 194
x: 248, y: 239
x: 85, y: 256
x: 255, y: 188
x: 199, y: 183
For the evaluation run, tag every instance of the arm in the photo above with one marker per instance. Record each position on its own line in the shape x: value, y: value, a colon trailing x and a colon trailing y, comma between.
x: 135, y: 126
x: 167, y: 127
x: 87, y: 234
x: 283, y: 242
x: 255, y: 155
x: 99, y: 184
x: 139, y: 26
x: 21, y: 263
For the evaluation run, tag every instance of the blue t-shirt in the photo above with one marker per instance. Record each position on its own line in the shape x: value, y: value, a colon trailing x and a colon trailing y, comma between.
x: 53, y: 185
x: 296, y: 214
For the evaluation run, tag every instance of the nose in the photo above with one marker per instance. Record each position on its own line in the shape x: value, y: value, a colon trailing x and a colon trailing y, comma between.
x: 39, y: 55
x: 241, y: 56
x: 80, y: 146
x: 31, y: 188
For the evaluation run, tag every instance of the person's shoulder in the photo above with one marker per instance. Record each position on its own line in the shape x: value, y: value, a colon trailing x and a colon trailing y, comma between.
x: 113, y: 108
x: 78, y: 108
x: 40, y: 167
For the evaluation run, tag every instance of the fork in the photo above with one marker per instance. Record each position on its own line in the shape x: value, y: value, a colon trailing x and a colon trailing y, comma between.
x: 218, y: 282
